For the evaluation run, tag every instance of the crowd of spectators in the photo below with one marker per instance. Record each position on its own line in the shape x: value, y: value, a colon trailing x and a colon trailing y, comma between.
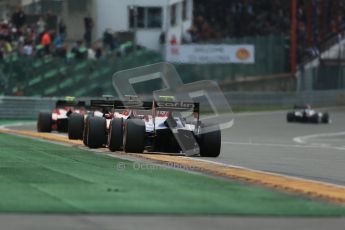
x: 318, y: 21
x: 219, y: 20
x: 34, y: 39
x: 223, y: 19
x: 37, y: 39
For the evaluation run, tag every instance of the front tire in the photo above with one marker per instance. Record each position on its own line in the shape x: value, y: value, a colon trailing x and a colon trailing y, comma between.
x: 96, y: 132
x: 75, y: 126
x: 115, y: 141
x: 134, y: 137
x: 44, y: 122
x: 325, y: 118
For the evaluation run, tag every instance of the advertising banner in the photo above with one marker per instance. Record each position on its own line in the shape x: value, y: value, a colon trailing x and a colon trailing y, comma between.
x: 210, y: 54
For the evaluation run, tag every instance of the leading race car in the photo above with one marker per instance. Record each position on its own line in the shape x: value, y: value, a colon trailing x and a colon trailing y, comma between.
x: 305, y: 114
x: 155, y: 126
x: 58, y: 118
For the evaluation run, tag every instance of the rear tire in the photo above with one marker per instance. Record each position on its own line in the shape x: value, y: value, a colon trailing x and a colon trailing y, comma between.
x: 290, y: 117
x: 44, y: 122
x: 210, y: 143
x: 134, y: 137
x: 86, y: 125
x: 96, y: 132
x: 115, y: 134
x: 75, y: 126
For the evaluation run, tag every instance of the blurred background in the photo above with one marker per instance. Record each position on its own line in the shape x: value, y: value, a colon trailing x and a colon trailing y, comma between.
x: 279, y: 49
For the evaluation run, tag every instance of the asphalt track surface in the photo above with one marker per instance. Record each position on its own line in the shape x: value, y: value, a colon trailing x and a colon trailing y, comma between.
x: 260, y: 141
x: 266, y: 142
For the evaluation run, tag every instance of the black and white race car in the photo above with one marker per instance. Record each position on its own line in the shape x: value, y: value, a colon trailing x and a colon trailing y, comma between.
x: 305, y: 114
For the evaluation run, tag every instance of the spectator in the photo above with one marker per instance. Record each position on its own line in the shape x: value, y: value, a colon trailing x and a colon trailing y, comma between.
x: 98, y: 52
x: 173, y: 41
x: 78, y: 50
x: 162, y: 38
x: 58, y: 42
x: 88, y: 24
x: 60, y: 49
x: 108, y: 40
x: 41, y: 26
x: 18, y: 18
x: 91, y: 54
x: 46, y: 41
x: 62, y: 30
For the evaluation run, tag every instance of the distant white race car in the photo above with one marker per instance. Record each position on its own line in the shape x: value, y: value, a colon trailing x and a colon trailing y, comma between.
x: 305, y: 114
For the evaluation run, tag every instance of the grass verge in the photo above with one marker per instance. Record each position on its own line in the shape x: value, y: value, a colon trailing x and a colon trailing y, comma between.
x: 40, y: 177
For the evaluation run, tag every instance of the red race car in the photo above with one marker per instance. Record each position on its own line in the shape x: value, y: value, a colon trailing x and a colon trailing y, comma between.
x: 58, y: 118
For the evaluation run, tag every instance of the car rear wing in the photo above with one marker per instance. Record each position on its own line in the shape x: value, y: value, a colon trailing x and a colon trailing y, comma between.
x: 145, y: 105
x: 117, y: 104
x: 177, y: 106
x: 301, y: 106
x: 66, y: 103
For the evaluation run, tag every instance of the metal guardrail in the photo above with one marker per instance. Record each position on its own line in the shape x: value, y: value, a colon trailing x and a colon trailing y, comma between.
x: 24, y: 107
x: 315, y: 98
x: 29, y: 107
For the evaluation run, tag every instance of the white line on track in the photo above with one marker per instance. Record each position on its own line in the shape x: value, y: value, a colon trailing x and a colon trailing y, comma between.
x: 5, y: 126
x: 305, y: 140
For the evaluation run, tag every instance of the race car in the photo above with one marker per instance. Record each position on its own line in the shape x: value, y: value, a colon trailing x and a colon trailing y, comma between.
x: 305, y: 114
x: 58, y: 118
x: 155, y: 126
x: 106, y: 108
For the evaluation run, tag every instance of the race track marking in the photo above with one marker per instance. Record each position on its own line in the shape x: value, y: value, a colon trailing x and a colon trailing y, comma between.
x: 275, y: 145
x: 316, y: 189
x: 305, y: 140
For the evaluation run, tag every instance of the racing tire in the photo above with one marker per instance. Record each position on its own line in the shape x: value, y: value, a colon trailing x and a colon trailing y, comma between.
x: 115, y: 140
x: 96, y: 132
x: 290, y: 117
x: 210, y: 143
x: 325, y: 118
x: 44, y: 122
x: 316, y: 119
x: 75, y: 126
x: 86, y: 125
x: 134, y: 136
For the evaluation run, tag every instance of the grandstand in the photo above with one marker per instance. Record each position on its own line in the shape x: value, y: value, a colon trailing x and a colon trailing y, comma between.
x: 67, y: 69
